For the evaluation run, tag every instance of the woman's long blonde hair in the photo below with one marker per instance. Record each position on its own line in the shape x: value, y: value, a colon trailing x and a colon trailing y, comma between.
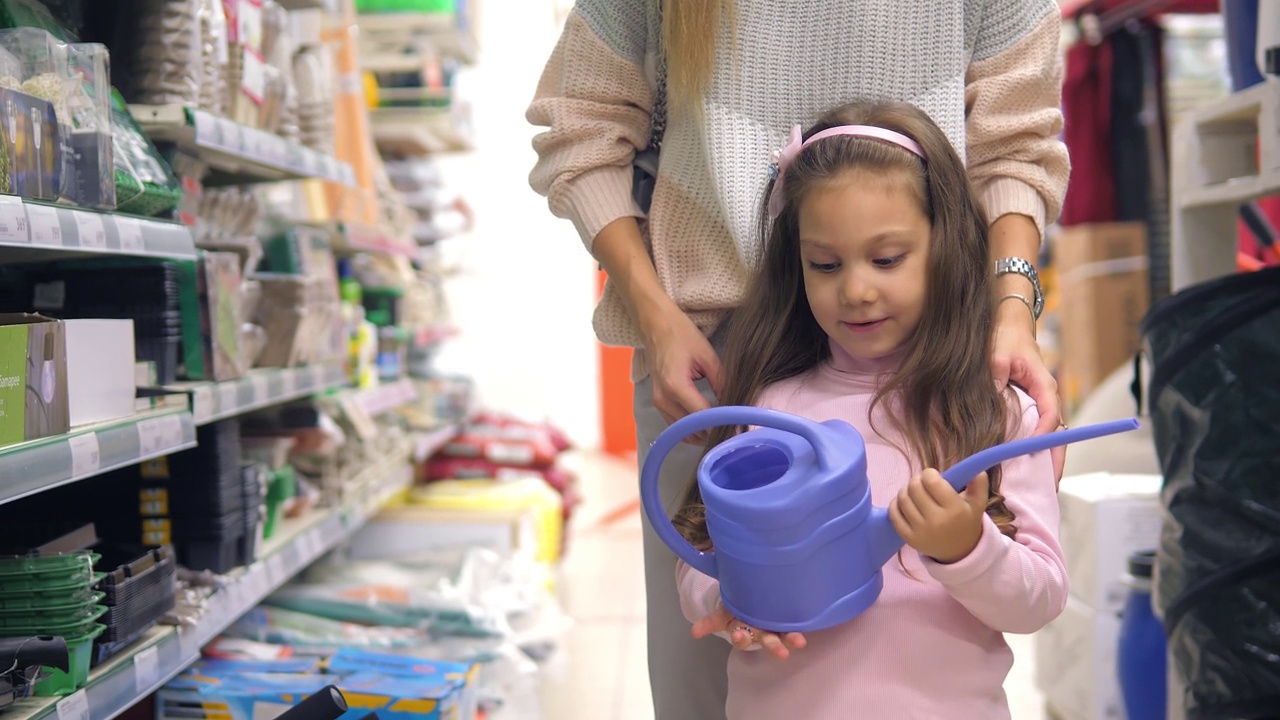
x: 689, y: 32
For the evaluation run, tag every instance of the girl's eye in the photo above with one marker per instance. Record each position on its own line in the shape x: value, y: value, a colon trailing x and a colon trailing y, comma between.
x: 888, y: 262
x: 823, y: 267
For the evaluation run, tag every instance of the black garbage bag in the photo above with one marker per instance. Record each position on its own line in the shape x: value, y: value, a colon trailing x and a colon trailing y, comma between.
x: 1214, y: 397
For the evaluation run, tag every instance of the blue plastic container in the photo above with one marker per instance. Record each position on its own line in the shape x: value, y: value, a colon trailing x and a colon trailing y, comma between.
x: 1141, y: 652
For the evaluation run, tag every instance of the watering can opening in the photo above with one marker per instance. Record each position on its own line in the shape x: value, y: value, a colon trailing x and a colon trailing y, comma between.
x: 750, y: 467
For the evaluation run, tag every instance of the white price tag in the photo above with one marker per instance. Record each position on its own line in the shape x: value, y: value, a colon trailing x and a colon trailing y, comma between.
x: 290, y: 379
x: 228, y: 397
x: 317, y: 376
x: 93, y: 233
x: 130, y: 231
x: 208, y: 129
x: 146, y: 669
x: 74, y: 706
x: 45, y: 228
x: 276, y: 571
x: 159, y: 435
x: 232, y: 138
x: 13, y: 220
x: 85, y: 457
x: 311, y: 544
x: 202, y: 404
x: 261, y: 391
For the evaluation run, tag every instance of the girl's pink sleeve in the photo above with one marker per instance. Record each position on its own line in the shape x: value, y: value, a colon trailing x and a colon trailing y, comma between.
x: 1015, y: 585
x: 699, y: 594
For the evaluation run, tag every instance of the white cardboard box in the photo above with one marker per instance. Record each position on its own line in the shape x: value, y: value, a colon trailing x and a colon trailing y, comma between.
x: 100, y: 370
x: 1076, y: 664
x: 1105, y: 519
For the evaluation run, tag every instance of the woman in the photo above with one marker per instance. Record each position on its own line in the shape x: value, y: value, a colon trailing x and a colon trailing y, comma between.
x: 739, y: 74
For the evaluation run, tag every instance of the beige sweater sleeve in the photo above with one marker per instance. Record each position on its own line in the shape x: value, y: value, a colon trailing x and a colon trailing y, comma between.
x: 595, y: 106
x: 1013, y: 111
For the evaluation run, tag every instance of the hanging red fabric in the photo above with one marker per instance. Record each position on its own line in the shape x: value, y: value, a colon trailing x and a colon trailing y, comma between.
x: 1086, y: 108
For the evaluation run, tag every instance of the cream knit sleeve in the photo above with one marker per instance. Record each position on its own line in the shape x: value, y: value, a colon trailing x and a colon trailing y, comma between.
x: 595, y: 102
x: 1013, y: 111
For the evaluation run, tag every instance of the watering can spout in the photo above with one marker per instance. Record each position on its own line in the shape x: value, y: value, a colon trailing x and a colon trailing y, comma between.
x: 883, y: 540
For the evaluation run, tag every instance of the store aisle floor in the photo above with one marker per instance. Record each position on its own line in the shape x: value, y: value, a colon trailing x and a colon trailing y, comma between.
x: 601, y: 675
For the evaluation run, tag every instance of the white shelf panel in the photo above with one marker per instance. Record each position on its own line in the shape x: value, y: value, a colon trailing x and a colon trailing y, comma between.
x: 238, y: 154
x: 40, y: 465
x: 34, y: 230
x: 258, y: 389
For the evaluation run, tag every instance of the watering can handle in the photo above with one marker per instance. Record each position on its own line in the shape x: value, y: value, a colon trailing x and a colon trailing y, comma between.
x: 961, y: 473
x: 700, y: 421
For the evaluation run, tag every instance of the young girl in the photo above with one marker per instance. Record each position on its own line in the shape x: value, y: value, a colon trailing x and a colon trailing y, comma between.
x: 873, y: 304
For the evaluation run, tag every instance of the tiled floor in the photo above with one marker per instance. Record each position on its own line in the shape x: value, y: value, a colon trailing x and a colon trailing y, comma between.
x: 602, y: 675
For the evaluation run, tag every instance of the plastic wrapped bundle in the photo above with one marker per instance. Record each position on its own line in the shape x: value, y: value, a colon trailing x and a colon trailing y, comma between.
x: 1215, y: 412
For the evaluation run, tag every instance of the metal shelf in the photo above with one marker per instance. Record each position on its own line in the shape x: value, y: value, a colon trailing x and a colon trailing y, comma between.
x: 385, y: 398
x: 258, y: 389
x: 44, y: 464
x: 163, y: 653
x: 32, y: 231
x: 237, y: 154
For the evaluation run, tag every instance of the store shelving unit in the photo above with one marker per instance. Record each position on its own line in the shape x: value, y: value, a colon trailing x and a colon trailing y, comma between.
x: 236, y: 154
x: 1223, y: 155
x: 165, y: 651
x: 33, y: 231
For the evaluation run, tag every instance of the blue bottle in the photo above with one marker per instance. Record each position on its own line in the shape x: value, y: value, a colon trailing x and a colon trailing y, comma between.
x: 1141, y: 653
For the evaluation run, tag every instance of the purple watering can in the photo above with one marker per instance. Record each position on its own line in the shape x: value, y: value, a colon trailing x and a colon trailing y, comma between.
x: 798, y: 544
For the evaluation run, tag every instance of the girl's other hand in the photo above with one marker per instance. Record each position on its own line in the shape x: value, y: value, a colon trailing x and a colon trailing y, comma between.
x: 937, y: 521
x: 1016, y: 359
x: 744, y: 636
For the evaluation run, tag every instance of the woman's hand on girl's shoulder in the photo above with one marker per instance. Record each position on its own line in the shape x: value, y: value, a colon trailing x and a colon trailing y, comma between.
x: 744, y: 637
x: 1016, y: 359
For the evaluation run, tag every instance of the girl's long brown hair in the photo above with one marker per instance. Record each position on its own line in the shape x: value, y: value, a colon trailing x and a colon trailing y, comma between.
x: 943, y: 399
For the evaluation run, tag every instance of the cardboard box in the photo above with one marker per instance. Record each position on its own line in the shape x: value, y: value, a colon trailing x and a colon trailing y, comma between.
x: 1102, y: 278
x: 1076, y: 664
x: 33, y: 378
x: 1105, y: 519
x: 100, y: 370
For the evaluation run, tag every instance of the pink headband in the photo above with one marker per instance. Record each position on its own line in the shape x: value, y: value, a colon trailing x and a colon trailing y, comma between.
x: 782, y: 158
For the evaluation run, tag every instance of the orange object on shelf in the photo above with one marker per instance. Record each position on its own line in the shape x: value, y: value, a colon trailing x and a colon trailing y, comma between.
x: 352, y: 133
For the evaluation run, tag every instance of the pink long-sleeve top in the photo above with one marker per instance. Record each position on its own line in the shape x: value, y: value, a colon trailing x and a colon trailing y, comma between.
x: 932, y: 645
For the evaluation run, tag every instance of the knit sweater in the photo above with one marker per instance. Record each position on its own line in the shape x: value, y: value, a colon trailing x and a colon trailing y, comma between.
x: 987, y: 71
x: 931, y: 646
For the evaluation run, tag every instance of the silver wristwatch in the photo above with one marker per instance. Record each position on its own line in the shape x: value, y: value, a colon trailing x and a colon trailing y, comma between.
x: 1019, y: 266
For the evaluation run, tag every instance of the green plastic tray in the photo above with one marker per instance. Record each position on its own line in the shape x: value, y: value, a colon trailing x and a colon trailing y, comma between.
x: 18, y: 586
x: 55, y: 682
x: 11, y: 566
x: 75, y: 628
x: 61, y: 617
x: 51, y: 601
x: 62, y: 605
